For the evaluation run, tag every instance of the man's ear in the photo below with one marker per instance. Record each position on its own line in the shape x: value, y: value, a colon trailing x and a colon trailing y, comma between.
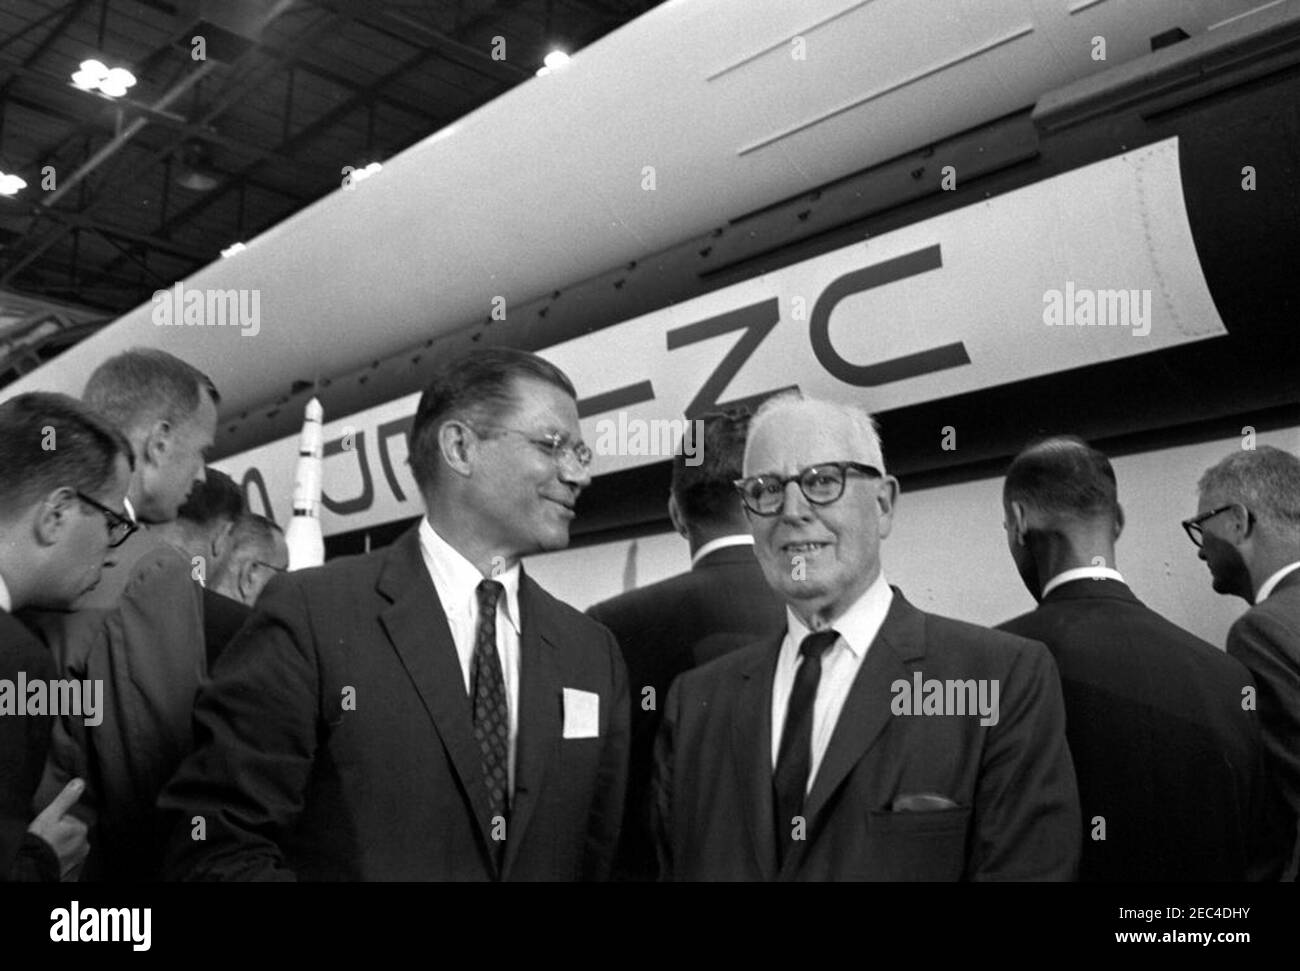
x: 157, y: 443
x: 886, y: 499
x: 244, y: 581
x: 675, y: 516
x: 221, y: 540
x: 1119, y: 520
x: 455, y: 443
x: 52, y: 516
x: 1019, y: 522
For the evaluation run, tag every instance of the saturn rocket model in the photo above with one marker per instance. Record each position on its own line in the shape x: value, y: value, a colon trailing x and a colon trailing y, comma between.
x: 303, y: 537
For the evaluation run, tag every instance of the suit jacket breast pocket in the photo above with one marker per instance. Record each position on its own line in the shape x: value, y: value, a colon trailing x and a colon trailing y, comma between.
x: 903, y: 846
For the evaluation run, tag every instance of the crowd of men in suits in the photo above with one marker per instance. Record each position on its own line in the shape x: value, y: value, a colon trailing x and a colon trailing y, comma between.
x: 427, y: 711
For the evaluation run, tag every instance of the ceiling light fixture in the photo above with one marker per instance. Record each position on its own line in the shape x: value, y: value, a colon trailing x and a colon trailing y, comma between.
x: 11, y: 184
x: 554, y: 61
x: 97, y: 76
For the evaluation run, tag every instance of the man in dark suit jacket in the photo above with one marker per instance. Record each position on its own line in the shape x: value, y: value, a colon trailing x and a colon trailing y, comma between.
x: 63, y: 476
x: 666, y: 628
x: 426, y: 711
x: 1172, y: 781
x: 1248, y: 530
x: 869, y: 740
x: 140, y: 632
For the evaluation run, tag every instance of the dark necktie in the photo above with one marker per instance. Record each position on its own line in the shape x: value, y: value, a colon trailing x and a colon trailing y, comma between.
x: 491, y: 713
x: 794, y: 757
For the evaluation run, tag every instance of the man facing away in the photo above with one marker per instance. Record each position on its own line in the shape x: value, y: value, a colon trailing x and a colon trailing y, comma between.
x: 1247, y: 528
x: 812, y: 755
x: 666, y: 628
x: 425, y: 711
x: 140, y: 631
x: 1170, y: 768
x: 63, y: 478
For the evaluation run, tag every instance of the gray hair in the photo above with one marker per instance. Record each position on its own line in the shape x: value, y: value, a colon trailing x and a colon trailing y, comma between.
x: 866, y: 433
x: 1265, y: 479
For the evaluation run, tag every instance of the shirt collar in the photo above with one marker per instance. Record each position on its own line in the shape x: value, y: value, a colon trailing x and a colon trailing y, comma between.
x: 6, y: 603
x: 1269, y: 585
x: 130, y: 509
x: 740, y: 539
x: 857, y: 626
x: 453, y: 573
x: 1081, y: 573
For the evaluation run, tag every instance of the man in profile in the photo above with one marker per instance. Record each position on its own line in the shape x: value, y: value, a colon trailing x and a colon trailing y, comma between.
x: 140, y: 631
x: 425, y: 711
x: 672, y: 626
x: 817, y: 753
x: 1154, y: 715
x: 63, y: 479
x: 255, y: 553
x: 1247, y: 530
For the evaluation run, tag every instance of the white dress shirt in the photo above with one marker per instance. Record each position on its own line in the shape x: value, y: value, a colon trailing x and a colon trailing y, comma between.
x: 456, y: 580
x: 1271, y: 583
x: 1081, y: 573
x: 857, y: 628
x: 6, y: 604
x: 740, y: 539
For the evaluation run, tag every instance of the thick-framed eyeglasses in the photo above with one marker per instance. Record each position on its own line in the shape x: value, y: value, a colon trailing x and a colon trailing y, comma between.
x: 1195, y: 525
x: 821, y: 484
x: 119, y: 527
x: 554, y: 444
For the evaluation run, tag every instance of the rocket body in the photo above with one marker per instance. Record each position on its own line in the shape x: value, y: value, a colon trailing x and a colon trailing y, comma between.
x: 303, y: 536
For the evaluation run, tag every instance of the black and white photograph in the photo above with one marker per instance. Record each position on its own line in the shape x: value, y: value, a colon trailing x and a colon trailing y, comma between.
x: 594, y: 445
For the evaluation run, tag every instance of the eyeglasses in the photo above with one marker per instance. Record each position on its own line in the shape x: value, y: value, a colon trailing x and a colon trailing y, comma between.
x: 764, y: 495
x: 119, y: 527
x: 554, y: 444
x: 1194, y: 528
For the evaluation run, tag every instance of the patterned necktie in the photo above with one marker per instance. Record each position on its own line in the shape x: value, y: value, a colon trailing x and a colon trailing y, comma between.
x: 491, y: 714
x: 794, y: 757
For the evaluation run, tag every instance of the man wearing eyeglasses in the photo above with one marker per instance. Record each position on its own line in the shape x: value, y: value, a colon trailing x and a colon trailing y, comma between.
x: 794, y: 759
x: 1154, y: 714
x: 140, y: 632
x: 425, y: 711
x: 255, y: 553
x: 62, y: 472
x: 1247, y: 530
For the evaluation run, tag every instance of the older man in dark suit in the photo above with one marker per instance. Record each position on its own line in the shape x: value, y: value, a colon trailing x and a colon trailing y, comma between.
x: 1247, y: 529
x: 426, y: 711
x: 720, y: 604
x: 869, y: 740
x: 1154, y: 715
x: 63, y: 478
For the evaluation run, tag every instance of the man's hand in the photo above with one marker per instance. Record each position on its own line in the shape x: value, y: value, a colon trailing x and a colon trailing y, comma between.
x: 66, y: 834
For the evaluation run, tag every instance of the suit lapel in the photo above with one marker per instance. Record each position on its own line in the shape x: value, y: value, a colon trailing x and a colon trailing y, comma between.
x: 866, y: 711
x: 417, y: 626
x: 751, y: 742
x: 540, y: 694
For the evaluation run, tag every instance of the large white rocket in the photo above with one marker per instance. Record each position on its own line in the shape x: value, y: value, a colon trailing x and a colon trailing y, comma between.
x: 304, y: 538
